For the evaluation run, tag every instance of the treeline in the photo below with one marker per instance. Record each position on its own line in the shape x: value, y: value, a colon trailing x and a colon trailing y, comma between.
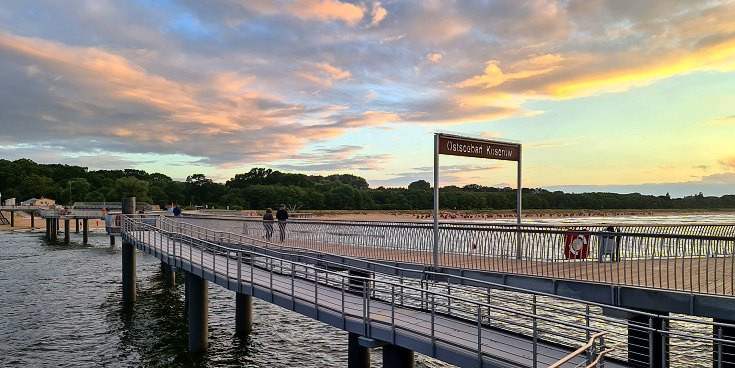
x: 261, y: 188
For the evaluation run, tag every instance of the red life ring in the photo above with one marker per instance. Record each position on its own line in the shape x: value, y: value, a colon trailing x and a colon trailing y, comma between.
x: 576, y: 244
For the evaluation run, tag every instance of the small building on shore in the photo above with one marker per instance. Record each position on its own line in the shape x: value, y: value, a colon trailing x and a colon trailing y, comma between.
x: 38, y: 202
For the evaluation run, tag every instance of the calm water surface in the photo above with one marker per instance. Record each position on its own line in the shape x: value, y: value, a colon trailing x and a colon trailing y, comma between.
x: 61, y: 307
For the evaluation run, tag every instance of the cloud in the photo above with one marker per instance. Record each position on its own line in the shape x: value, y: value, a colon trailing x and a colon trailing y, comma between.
x: 146, y: 112
x: 523, y: 69
x: 228, y: 83
x: 434, y: 57
x: 726, y: 120
x: 336, y: 159
x: 323, y: 10
x: 728, y: 162
x: 379, y: 13
x: 449, y: 175
x: 324, y: 74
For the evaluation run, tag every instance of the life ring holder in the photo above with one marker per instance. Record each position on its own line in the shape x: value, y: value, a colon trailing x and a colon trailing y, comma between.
x: 576, y: 243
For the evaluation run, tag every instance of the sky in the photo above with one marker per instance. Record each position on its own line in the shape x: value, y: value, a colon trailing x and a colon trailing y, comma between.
x: 614, y: 96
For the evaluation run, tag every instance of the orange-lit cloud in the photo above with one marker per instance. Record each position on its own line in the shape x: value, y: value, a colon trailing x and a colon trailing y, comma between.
x: 379, y: 13
x: 324, y: 74
x: 524, y: 69
x: 326, y: 10
x: 434, y: 57
x: 728, y: 162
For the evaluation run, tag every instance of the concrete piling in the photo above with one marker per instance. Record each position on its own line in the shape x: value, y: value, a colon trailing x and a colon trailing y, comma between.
x: 196, y: 289
x: 168, y: 273
x: 128, y: 259
x: 395, y: 356
x: 85, y: 231
x: 243, y: 314
x: 358, y: 356
x: 66, y: 231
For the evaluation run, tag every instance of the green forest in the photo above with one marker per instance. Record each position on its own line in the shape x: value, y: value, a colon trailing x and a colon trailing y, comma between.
x: 261, y: 188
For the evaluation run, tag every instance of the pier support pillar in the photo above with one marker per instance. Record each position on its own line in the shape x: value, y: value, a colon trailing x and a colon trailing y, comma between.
x: 76, y: 222
x: 723, y: 352
x: 48, y: 229
x: 85, y: 231
x: 196, y: 288
x: 54, y: 229
x: 646, y: 347
x: 33, y: 220
x: 243, y: 314
x: 395, y: 356
x: 168, y: 273
x: 12, y: 218
x: 128, y: 260
x: 358, y: 356
x: 66, y: 231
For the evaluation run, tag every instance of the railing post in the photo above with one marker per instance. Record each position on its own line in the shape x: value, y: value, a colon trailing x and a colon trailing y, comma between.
x: 647, y: 345
x: 723, y: 353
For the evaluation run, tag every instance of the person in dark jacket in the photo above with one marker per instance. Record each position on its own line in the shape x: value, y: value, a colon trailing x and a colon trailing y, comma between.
x: 268, y: 223
x: 177, y: 211
x: 282, y: 216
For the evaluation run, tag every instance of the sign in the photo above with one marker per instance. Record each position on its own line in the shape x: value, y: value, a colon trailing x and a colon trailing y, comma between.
x: 460, y: 146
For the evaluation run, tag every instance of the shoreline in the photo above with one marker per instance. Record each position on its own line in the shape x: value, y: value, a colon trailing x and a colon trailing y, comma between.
x: 24, y: 223
x: 423, y: 215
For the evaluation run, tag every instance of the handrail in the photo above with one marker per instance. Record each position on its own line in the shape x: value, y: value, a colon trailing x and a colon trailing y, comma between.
x: 590, y: 343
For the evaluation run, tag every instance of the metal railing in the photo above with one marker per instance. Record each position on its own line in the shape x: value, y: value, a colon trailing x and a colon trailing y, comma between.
x: 447, y: 316
x: 692, y: 258
x: 566, y: 321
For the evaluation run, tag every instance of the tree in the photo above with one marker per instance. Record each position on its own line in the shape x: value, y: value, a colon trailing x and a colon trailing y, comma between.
x: 132, y: 187
x: 349, y: 179
x: 420, y: 185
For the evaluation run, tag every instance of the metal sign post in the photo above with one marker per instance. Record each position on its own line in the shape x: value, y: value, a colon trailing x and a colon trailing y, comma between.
x: 448, y: 144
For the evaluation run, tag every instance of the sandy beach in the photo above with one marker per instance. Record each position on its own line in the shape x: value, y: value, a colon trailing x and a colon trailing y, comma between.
x: 407, y: 216
x: 23, y: 222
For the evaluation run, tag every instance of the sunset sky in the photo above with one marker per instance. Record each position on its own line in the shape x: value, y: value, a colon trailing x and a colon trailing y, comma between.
x: 619, y: 95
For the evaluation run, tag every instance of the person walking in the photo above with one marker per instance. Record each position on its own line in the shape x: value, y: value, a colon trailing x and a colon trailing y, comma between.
x: 282, y: 216
x: 177, y: 211
x: 268, y: 223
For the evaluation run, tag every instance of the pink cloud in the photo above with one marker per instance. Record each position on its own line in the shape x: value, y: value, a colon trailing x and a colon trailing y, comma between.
x: 379, y: 13
x: 323, y: 10
x: 324, y: 74
x: 434, y: 57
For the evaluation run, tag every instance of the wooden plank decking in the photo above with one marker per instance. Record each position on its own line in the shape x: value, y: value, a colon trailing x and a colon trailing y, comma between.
x: 708, y: 275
